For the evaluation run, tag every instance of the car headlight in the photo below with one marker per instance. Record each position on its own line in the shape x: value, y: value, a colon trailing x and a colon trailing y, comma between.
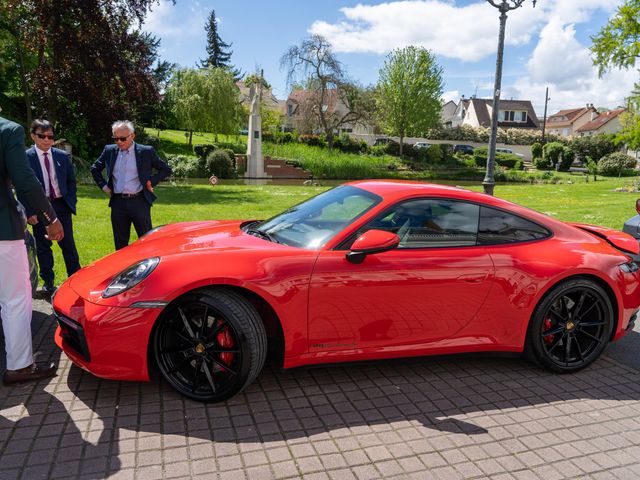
x: 131, y: 277
x: 629, y: 267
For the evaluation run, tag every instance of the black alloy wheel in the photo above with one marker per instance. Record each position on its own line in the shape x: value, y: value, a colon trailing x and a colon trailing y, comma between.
x: 209, y: 345
x: 571, y: 326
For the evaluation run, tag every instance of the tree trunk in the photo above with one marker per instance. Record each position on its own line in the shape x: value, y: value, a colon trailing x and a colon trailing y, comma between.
x: 401, y: 138
x: 329, y: 136
x: 190, y: 136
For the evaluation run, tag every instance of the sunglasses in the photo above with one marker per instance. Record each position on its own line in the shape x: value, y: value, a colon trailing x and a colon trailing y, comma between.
x: 43, y: 136
x: 120, y: 139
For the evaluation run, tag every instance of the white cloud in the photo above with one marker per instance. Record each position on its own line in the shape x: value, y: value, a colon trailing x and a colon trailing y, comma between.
x: 560, y: 62
x: 450, y: 95
x: 169, y: 21
x: 466, y: 33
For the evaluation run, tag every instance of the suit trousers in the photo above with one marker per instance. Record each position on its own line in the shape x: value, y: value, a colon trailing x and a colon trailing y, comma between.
x: 15, y: 303
x: 124, y: 212
x: 67, y: 244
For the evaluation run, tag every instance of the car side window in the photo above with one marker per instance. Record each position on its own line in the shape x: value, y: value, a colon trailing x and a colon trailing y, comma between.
x: 429, y: 223
x: 498, y: 227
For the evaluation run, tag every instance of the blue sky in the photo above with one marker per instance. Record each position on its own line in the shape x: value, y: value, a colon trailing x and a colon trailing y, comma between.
x: 545, y: 46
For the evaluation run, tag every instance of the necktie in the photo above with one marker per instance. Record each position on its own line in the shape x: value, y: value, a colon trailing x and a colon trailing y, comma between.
x: 48, y: 167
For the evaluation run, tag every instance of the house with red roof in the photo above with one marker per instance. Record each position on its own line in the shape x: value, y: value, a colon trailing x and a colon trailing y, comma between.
x: 606, y: 122
x: 565, y: 123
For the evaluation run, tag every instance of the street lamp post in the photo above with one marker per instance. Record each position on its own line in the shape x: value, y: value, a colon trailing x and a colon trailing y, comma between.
x: 503, y: 6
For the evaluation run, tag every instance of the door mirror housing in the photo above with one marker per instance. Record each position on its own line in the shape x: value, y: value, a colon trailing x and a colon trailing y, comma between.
x: 370, y: 242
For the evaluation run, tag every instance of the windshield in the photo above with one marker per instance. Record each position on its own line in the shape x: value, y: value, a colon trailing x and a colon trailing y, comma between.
x: 312, y: 223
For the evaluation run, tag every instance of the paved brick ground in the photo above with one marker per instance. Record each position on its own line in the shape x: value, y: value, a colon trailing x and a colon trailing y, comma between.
x: 435, y: 418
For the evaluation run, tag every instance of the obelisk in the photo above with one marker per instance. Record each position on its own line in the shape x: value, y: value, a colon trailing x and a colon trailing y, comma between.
x: 255, y: 161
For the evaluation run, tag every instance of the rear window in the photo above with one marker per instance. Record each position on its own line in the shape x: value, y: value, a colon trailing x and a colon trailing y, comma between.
x: 498, y: 227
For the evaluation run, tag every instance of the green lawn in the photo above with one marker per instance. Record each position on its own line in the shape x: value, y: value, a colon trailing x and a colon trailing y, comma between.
x: 591, y: 202
x: 175, y: 142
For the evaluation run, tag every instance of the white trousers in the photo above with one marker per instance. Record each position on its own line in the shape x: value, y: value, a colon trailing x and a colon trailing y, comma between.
x: 15, y: 302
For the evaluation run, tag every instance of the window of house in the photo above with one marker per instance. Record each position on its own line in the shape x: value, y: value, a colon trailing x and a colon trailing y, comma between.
x: 497, y: 227
x: 512, y: 116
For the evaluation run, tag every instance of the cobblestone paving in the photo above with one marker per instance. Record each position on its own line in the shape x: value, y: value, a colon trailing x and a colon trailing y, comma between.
x: 467, y: 417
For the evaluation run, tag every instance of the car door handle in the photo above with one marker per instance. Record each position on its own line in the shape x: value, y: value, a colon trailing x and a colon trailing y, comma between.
x: 473, y: 277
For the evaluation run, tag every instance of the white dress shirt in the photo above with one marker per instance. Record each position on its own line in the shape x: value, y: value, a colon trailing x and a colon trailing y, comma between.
x: 45, y: 176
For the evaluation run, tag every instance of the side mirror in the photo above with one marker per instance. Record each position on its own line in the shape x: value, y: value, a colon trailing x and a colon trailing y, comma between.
x: 370, y: 242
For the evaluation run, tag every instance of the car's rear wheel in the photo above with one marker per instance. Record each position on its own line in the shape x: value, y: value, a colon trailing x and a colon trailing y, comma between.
x: 210, y: 344
x: 571, y: 326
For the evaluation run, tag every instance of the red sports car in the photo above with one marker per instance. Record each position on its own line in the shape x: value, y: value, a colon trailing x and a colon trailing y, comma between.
x: 367, y: 270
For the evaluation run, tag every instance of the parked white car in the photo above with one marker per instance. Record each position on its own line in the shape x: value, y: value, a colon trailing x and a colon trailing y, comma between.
x: 421, y: 145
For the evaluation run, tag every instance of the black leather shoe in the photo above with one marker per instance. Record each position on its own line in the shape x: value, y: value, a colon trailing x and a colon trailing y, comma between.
x: 32, y: 373
x: 48, y: 288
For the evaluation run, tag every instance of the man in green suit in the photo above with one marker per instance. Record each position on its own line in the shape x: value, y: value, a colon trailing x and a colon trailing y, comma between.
x: 15, y: 288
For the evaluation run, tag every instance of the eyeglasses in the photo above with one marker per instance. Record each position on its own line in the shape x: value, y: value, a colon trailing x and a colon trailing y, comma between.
x: 42, y: 136
x: 120, y: 139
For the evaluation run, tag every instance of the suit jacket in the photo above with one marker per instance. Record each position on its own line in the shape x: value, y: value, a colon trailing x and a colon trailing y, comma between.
x: 146, y: 159
x: 14, y: 168
x: 64, y: 172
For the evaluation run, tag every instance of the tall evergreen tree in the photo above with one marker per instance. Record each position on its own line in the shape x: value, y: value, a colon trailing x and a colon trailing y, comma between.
x: 218, y: 53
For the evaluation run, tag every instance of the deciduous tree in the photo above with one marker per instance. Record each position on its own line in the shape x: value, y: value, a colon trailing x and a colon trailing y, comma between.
x: 87, y: 63
x: 332, y: 99
x: 204, y: 100
x: 408, y: 92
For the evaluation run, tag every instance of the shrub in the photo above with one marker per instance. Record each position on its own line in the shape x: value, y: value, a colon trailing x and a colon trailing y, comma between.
x: 616, y: 164
x: 536, y: 151
x: 447, y: 152
x: 313, y: 140
x: 434, y: 154
x: 543, y: 163
x: 568, y: 156
x: 152, y: 141
x: 553, y: 152
x: 595, y: 147
x: 508, y: 160
x: 346, y: 144
x: 204, y: 149
x: 184, y: 167
x: 219, y: 163
x: 280, y: 137
x: 234, y: 147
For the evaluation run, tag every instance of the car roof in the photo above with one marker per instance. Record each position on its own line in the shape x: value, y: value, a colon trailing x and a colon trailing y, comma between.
x: 397, y: 190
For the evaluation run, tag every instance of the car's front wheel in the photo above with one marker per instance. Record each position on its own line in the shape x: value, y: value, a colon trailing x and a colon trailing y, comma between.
x: 210, y: 344
x: 571, y: 326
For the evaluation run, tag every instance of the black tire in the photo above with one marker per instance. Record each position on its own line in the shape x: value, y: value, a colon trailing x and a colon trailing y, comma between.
x: 210, y: 344
x: 570, y: 327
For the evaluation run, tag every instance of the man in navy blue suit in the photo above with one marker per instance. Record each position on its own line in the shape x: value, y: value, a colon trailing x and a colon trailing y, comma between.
x: 130, y: 181
x: 54, y: 170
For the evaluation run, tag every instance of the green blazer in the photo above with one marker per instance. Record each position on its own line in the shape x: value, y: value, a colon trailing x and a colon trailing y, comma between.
x: 14, y: 169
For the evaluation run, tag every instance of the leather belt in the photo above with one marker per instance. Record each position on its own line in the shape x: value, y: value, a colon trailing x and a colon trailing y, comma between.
x: 128, y: 195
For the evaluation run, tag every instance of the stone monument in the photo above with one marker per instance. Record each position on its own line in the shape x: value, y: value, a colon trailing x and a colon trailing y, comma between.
x: 255, y: 160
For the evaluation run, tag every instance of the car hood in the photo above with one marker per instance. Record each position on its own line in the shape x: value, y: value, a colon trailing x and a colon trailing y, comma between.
x: 173, y: 239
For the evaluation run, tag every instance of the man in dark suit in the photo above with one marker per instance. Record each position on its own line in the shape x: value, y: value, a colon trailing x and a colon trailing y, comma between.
x: 130, y: 181
x: 15, y: 288
x: 54, y: 170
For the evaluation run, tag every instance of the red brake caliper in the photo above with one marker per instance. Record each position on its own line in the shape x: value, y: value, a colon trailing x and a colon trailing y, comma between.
x: 226, y: 341
x: 548, y: 339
